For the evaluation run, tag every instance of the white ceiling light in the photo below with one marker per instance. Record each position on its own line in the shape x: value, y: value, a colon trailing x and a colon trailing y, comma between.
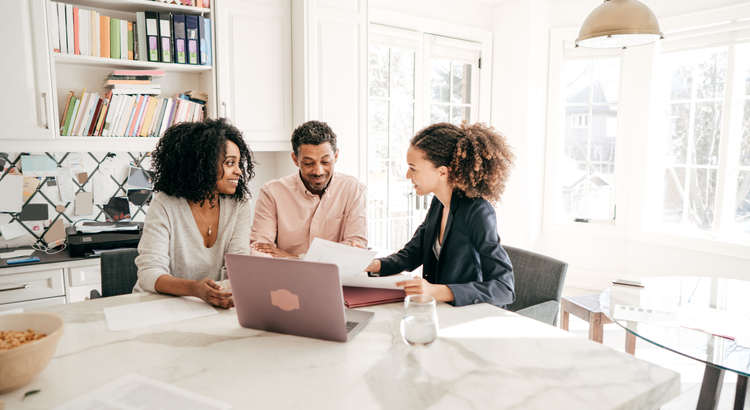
x: 619, y: 23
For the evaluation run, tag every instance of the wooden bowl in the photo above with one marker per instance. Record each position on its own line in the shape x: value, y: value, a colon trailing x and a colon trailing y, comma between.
x: 19, y: 365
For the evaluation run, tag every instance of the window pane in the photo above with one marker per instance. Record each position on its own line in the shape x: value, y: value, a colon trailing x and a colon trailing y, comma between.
x: 702, y: 198
x: 576, y: 132
x: 403, y: 74
x: 600, y: 181
x: 378, y: 232
x: 379, y: 63
x: 377, y: 186
x: 401, y: 232
x: 461, y: 83
x: 459, y: 114
x: 606, y: 80
x: 711, y: 70
x: 674, y: 188
x: 603, y: 133
x: 742, y: 210
x: 399, y: 204
x: 706, y: 135
x: 402, y: 128
x: 439, y: 113
x: 679, y: 67
x: 577, y: 77
x: 440, y: 80
x: 678, y: 134
x: 573, y: 177
x: 745, y: 142
x: 377, y: 139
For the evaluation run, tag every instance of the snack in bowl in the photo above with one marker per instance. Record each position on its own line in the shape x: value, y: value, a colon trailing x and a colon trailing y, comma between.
x: 27, y: 358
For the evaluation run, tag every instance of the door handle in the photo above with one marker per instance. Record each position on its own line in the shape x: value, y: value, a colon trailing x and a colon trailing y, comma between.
x: 25, y: 286
x: 46, y: 114
x: 223, y: 104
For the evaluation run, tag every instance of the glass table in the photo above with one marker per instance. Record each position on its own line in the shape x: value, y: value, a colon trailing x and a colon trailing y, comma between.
x: 687, y: 292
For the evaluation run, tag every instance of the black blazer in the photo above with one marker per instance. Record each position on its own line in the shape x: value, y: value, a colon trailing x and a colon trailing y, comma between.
x: 472, y: 263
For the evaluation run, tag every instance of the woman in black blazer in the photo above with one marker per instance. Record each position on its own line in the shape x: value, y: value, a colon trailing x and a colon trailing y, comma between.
x: 457, y: 245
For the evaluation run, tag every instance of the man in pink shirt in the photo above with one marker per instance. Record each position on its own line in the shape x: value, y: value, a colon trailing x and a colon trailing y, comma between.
x: 315, y: 202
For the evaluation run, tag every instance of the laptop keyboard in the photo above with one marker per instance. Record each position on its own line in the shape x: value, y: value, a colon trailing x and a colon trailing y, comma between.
x: 350, y: 326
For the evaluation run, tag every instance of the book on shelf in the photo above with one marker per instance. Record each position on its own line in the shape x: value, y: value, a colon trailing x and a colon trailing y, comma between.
x: 108, y: 83
x: 128, y: 77
x: 104, y: 36
x: 53, y: 21
x: 65, y: 111
x: 114, y: 38
x: 123, y: 39
x: 62, y: 27
x: 151, y: 73
x: 70, y: 35
x: 76, y: 26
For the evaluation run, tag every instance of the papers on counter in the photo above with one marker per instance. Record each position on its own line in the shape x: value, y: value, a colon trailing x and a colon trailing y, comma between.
x: 350, y: 260
x: 16, y: 254
x: 156, y: 313
x: 131, y: 391
x: 96, y: 227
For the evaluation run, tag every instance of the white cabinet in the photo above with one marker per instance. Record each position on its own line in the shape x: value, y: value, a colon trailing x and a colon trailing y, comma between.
x: 330, y: 73
x: 26, y: 106
x: 255, y: 70
x: 22, y: 286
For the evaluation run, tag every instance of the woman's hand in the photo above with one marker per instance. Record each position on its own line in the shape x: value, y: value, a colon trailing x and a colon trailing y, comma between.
x: 419, y: 286
x: 208, y: 291
x: 374, y: 266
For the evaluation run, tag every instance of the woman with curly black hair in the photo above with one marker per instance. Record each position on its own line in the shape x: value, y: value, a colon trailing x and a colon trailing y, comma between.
x: 200, y: 211
x: 457, y: 245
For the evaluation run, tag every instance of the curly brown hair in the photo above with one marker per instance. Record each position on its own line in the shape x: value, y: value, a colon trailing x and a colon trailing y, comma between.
x: 478, y: 156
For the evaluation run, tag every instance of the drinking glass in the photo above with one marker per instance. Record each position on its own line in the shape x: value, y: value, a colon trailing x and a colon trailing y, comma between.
x: 419, y: 324
x: 224, y: 280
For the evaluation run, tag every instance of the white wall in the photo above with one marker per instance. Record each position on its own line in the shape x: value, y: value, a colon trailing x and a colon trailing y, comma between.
x: 520, y: 74
x: 461, y: 12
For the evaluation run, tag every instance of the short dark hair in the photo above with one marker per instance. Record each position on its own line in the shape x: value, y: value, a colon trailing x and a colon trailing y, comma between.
x: 186, y: 160
x: 313, y: 133
x: 479, y: 157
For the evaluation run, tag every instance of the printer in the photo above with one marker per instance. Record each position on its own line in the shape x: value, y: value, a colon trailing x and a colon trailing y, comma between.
x: 89, y: 237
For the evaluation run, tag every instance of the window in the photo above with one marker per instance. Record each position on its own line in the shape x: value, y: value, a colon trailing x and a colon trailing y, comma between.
x: 408, y: 71
x: 586, y: 163
x: 705, y: 145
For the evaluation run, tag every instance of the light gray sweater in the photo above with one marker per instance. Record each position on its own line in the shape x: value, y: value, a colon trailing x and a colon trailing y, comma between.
x: 172, y: 244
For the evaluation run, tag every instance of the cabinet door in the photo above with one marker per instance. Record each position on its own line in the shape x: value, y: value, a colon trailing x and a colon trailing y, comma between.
x: 255, y: 69
x: 26, y: 106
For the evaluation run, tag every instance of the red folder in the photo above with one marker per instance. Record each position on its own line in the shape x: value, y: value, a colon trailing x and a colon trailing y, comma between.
x: 357, y: 297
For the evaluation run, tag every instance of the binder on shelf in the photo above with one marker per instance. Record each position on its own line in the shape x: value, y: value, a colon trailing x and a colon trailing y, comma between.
x: 209, y: 45
x: 202, y: 50
x: 130, y: 40
x: 62, y: 27
x: 76, y: 43
x: 165, y: 35
x: 70, y: 28
x: 114, y: 38
x: 136, y: 49
x: 104, y: 36
x: 152, y: 35
x: 54, y: 29
x: 180, y: 55
x: 140, y: 19
x: 191, y: 30
x: 123, y: 39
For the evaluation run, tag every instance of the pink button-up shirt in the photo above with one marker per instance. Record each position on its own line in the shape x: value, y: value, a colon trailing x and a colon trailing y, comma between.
x: 290, y: 216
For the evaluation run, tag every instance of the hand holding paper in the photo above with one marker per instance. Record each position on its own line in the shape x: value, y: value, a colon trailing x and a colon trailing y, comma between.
x: 350, y: 260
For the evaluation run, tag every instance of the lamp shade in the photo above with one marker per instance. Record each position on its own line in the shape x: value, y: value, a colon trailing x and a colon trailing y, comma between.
x: 619, y: 23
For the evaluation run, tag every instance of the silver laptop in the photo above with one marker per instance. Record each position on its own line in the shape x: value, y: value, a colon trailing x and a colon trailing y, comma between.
x: 293, y: 297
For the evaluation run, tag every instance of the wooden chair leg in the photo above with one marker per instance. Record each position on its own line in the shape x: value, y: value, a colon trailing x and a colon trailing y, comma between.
x: 629, y: 343
x: 565, y: 320
x: 596, y: 329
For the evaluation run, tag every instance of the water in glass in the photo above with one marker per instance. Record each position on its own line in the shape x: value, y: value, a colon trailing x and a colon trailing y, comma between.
x: 419, y: 324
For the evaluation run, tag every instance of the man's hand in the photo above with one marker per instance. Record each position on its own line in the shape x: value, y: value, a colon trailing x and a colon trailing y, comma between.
x: 374, y: 266
x: 208, y: 291
x: 272, y: 250
x: 419, y: 286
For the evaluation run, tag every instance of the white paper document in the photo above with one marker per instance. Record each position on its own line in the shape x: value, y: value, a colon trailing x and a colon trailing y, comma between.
x: 385, y: 282
x: 350, y: 260
x: 639, y: 314
x: 11, y: 188
x: 16, y: 254
x: 155, y: 313
x: 12, y: 231
x: 134, y: 391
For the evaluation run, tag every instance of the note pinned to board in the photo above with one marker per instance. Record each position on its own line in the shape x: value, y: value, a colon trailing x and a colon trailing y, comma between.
x: 38, y: 166
x: 351, y: 261
x: 12, y: 198
x: 65, y: 186
x: 30, y: 185
x: 84, y: 203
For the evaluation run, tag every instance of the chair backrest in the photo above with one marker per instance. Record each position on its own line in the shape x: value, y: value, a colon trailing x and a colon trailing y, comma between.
x: 119, y: 273
x: 538, y: 278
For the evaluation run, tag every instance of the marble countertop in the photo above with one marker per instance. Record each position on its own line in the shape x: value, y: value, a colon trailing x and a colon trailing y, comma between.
x: 484, y: 358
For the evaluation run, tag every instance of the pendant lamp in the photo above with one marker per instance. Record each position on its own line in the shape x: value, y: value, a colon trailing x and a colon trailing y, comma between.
x: 619, y: 23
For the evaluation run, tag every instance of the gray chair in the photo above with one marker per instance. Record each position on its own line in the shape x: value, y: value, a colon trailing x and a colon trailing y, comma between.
x: 119, y: 273
x: 538, y: 283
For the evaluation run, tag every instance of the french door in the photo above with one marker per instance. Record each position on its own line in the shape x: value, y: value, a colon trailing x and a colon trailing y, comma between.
x: 415, y: 79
